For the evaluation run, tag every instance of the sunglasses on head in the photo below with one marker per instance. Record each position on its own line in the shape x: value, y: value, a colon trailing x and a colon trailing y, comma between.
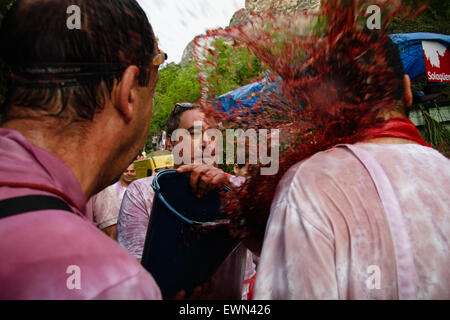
x: 179, y: 107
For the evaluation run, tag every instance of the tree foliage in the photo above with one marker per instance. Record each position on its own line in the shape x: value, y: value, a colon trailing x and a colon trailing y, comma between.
x: 175, y: 84
x: 435, y: 19
x: 233, y: 67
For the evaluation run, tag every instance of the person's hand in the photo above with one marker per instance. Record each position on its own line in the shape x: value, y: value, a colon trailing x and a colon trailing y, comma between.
x: 204, y: 178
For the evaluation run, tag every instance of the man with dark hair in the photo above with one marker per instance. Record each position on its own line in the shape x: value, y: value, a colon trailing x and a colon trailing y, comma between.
x: 76, y: 114
x: 363, y: 221
x: 137, y: 202
x: 134, y: 215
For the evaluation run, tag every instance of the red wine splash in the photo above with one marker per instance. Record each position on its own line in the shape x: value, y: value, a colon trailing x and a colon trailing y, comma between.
x: 331, y: 81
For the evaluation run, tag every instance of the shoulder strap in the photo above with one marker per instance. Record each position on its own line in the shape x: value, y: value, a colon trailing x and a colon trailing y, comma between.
x: 18, y: 205
x: 407, y: 278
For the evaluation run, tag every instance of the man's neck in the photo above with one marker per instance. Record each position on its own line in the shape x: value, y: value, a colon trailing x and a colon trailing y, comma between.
x: 389, y: 140
x: 386, y: 115
x: 85, y: 160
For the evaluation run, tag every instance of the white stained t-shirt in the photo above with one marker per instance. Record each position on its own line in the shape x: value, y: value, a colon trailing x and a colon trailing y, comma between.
x: 103, y: 208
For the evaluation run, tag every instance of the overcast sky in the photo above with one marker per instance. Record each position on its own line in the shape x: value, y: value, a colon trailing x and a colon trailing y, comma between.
x: 177, y: 22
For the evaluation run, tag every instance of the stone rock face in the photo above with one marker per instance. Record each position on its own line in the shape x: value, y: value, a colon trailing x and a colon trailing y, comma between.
x: 187, y: 54
x: 255, y: 7
x: 278, y: 6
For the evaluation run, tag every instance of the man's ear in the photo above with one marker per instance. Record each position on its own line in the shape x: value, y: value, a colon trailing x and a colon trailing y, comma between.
x: 127, y: 92
x: 408, y: 96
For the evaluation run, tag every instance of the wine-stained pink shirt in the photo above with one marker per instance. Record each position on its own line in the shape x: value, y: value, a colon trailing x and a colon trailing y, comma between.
x: 54, y: 254
x: 329, y: 233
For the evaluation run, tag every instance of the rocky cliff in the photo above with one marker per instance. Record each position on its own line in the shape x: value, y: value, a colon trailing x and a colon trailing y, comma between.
x: 255, y: 7
x: 277, y: 6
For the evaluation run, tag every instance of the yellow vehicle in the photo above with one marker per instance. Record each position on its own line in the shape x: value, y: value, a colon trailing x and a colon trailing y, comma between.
x: 152, y: 165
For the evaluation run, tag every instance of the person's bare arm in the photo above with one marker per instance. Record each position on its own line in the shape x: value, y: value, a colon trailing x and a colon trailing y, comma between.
x: 133, y: 219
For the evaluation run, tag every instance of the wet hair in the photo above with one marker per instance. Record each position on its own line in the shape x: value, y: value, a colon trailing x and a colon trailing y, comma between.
x: 113, y: 36
x: 395, y: 63
x: 174, y: 119
x: 387, y: 83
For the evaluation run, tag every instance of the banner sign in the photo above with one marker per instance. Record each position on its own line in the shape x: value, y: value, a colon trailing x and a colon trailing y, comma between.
x: 437, y: 61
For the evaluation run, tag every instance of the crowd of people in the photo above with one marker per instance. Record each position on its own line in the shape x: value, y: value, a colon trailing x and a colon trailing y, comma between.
x: 359, y: 221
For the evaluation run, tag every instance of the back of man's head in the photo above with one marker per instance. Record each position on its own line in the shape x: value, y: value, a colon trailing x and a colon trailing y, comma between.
x: 61, y: 70
x: 395, y: 63
x: 371, y: 74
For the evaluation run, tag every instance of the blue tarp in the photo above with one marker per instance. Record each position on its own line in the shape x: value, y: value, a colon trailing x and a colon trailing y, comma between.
x: 246, y: 96
x: 411, y: 53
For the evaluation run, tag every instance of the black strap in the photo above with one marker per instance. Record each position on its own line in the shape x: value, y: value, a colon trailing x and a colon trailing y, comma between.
x: 18, y: 205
